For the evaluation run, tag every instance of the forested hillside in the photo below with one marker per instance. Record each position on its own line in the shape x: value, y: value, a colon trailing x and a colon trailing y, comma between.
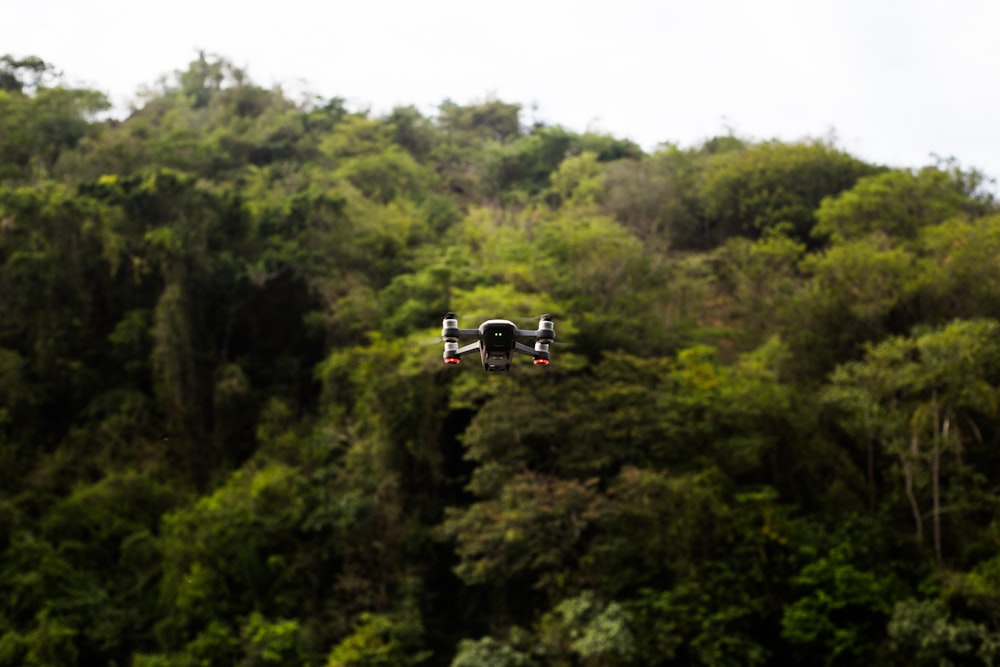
x: 770, y: 433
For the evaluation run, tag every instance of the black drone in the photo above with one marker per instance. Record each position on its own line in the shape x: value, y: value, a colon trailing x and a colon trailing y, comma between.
x: 497, y: 342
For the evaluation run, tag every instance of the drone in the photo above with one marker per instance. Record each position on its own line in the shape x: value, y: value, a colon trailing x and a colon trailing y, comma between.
x: 497, y: 341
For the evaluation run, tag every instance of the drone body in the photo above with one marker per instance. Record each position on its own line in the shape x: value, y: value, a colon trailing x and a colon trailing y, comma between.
x: 497, y: 341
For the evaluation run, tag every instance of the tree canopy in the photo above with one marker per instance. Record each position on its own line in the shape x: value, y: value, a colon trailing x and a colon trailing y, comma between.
x: 769, y: 434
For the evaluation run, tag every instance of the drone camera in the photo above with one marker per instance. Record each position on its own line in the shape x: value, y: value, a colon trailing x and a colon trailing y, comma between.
x: 497, y: 335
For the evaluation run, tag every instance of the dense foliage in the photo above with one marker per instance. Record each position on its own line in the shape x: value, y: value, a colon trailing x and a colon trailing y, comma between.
x: 227, y: 437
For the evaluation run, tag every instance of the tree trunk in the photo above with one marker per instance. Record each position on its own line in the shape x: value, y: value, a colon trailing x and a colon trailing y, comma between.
x: 872, y: 495
x: 908, y: 475
x: 936, y: 484
x: 936, y: 478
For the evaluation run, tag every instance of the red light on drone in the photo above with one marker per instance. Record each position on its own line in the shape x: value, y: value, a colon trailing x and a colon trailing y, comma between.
x: 452, y: 360
x: 541, y: 362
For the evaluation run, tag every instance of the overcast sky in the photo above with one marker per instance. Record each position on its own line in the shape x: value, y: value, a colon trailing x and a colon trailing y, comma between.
x: 893, y: 80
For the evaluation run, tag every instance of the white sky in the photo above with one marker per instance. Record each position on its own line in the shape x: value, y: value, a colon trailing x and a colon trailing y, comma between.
x: 894, y: 80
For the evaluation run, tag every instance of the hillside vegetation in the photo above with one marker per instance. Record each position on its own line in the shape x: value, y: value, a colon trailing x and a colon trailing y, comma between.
x: 770, y: 434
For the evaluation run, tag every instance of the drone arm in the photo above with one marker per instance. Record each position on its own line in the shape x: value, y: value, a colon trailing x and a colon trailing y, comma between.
x: 453, y: 353
x: 539, y: 355
x: 452, y: 334
x: 545, y: 333
x: 544, y: 336
x: 524, y: 349
x: 450, y: 331
x: 467, y: 348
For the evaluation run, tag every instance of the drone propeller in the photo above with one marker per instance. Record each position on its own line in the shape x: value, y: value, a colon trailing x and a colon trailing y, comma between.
x: 474, y: 319
x: 482, y: 316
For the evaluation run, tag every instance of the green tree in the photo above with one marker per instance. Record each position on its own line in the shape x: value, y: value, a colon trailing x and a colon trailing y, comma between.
x: 656, y: 198
x: 924, y: 632
x: 38, y: 126
x: 489, y: 120
x: 842, y: 614
x: 19, y: 74
x: 920, y: 398
x: 897, y: 203
x: 957, y: 263
x: 748, y: 191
